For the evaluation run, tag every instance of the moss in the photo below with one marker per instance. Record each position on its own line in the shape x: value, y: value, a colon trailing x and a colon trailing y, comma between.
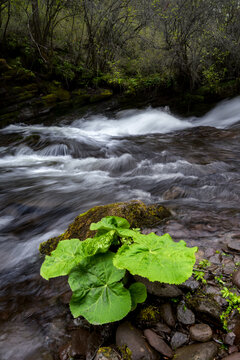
x: 136, y: 212
x: 148, y: 316
x: 49, y: 99
x: 62, y: 94
x: 4, y: 66
x: 125, y: 353
x: 102, y: 95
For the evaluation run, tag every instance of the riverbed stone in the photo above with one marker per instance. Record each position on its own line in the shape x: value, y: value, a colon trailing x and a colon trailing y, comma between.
x: 158, y: 343
x: 128, y: 335
x: 162, y: 328
x: 167, y: 314
x: 229, y: 338
x: 136, y: 212
x: 205, y: 307
x: 200, y: 332
x: 179, y: 339
x: 185, y: 315
x: 206, y: 351
x: 236, y: 279
x: 160, y: 289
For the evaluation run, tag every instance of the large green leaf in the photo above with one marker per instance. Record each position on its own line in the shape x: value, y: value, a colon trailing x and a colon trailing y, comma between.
x: 98, y: 244
x: 97, y: 293
x: 67, y: 255
x: 138, y: 293
x: 157, y: 258
x: 110, y: 223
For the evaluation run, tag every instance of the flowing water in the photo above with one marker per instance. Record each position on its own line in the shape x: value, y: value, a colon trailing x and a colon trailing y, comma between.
x: 51, y: 173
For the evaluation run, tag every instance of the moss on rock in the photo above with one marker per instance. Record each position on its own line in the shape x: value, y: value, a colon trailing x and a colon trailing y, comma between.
x: 136, y: 212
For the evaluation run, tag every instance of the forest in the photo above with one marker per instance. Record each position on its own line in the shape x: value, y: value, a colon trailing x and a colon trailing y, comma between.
x: 127, y: 45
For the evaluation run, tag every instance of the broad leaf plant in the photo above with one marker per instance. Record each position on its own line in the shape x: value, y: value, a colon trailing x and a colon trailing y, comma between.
x: 97, y: 275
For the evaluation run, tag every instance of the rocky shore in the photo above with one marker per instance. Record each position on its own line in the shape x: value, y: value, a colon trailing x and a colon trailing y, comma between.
x: 197, y: 320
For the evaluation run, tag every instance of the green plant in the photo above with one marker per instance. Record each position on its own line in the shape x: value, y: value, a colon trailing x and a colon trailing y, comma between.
x: 96, y: 273
x: 233, y: 303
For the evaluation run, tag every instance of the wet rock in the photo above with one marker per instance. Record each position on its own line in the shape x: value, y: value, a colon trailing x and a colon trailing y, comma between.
x: 205, y: 307
x: 236, y: 279
x: 64, y: 351
x: 179, y: 339
x: 235, y: 356
x: 234, y: 245
x: 229, y: 338
x: 136, y: 212
x: 159, y: 289
x: 174, y: 193
x: 185, y: 315
x: 190, y: 285
x: 206, y: 351
x: 162, y: 328
x: 106, y: 353
x: 232, y: 349
x: 129, y: 336
x: 200, y: 332
x: 149, y: 316
x: 158, y: 343
x: 167, y: 314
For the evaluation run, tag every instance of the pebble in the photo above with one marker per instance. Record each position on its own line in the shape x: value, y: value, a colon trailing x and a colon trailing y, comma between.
x: 206, y: 351
x: 167, y: 314
x: 185, y: 315
x: 179, y: 339
x: 216, y: 259
x: 236, y: 279
x: 158, y: 343
x: 200, y: 332
x: 128, y: 335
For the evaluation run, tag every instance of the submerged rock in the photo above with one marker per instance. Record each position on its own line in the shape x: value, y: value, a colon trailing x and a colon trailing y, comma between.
x: 136, y: 212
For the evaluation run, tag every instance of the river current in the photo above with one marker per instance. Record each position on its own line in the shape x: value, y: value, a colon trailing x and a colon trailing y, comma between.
x: 51, y: 173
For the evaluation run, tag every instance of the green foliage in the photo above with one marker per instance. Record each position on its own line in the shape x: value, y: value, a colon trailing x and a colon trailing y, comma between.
x: 96, y: 274
x: 233, y: 303
x: 199, y: 276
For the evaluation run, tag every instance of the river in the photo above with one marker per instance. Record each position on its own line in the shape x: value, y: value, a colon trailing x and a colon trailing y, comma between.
x: 49, y: 173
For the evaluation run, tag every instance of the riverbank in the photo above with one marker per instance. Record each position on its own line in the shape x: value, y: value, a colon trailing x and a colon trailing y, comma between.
x: 26, y: 95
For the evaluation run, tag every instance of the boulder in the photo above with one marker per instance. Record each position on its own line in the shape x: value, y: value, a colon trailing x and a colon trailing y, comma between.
x: 136, y: 212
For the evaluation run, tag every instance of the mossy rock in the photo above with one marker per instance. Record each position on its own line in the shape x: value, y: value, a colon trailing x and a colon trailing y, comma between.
x: 62, y: 95
x: 49, y: 99
x: 136, y: 212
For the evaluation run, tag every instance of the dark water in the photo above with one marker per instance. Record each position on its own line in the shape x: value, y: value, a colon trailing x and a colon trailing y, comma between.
x: 49, y: 174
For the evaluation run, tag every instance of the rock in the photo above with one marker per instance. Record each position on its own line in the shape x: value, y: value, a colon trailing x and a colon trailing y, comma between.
x: 185, y: 315
x: 205, y: 307
x: 149, y: 316
x: 232, y: 349
x: 200, y: 332
x: 162, y: 328
x: 136, y: 212
x: 234, y: 245
x: 235, y: 356
x: 159, y: 289
x: 4, y: 66
x: 158, y: 343
x: 102, y: 94
x: 167, y: 314
x: 210, y: 252
x: 106, y: 353
x: 129, y: 336
x: 174, y: 193
x: 178, y: 339
x: 229, y: 338
x: 190, y: 285
x: 216, y: 259
x: 236, y: 279
x: 206, y: 351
